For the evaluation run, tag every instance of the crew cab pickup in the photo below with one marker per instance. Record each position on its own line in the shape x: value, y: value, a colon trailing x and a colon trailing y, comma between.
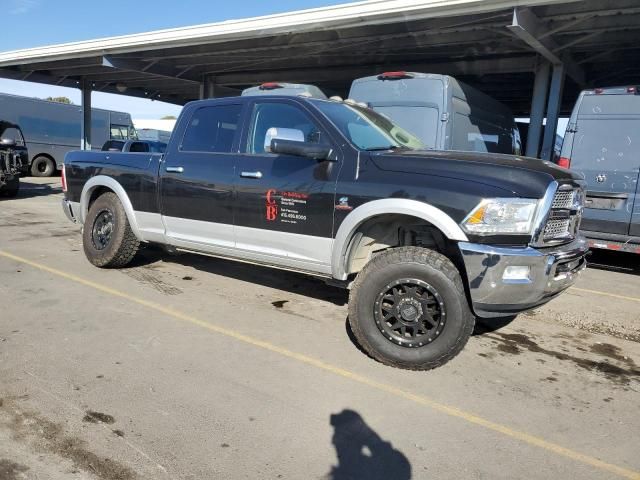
x: 425, y: 240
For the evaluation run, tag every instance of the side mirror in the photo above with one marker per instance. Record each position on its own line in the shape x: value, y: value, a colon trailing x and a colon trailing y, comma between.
x: 300, y: 149
x: 281, y: 134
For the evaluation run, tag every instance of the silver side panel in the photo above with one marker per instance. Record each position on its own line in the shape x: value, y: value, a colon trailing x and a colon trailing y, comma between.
x: 401, y: 206
x: 151, y: 226
x: 303, y: 248
x: 278, y: 249
x: 196, y: 232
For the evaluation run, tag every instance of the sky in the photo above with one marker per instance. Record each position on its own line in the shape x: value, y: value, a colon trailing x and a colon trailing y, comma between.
x: 28, y: 23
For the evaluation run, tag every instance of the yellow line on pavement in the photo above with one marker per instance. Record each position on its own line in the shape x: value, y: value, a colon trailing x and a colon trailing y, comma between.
x: 341, y: 372
x: 606, y: 294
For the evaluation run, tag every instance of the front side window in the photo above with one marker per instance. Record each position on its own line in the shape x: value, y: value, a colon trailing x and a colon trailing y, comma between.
x: 367, y: 129
x: 212, y: 129
x: 279, y: 115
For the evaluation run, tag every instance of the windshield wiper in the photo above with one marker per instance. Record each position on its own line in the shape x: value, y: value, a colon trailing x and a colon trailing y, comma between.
x: 381, y: 149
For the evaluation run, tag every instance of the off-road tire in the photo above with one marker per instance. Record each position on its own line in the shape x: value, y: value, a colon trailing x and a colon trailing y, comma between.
x: 123, y: 244
x: 10, y: 189
x: 42, y: 167
x: 426, y: 266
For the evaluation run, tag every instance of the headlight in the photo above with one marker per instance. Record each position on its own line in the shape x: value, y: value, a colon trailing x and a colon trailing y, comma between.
x: 499, y: 216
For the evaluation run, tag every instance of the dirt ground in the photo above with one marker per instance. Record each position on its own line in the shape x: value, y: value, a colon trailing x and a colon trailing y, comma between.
x: 188, y: 367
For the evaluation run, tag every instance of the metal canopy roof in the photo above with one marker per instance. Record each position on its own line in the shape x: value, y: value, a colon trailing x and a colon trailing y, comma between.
x: 493, y: 45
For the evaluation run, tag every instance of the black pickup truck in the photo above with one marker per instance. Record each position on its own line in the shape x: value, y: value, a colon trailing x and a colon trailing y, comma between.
x: 425, y: 240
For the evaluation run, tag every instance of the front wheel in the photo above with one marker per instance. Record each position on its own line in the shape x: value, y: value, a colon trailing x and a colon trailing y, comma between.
x: 408, y: 309
x: 107, y: 237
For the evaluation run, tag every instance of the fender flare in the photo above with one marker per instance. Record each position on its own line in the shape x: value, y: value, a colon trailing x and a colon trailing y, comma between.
x: 111, y: 184
x: 401, y: 206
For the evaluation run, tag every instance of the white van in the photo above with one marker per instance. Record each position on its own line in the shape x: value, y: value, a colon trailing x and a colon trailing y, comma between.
x: 444, y: 113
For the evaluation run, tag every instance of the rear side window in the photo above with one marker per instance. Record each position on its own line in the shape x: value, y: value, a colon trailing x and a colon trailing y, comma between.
x: 139, y: 147
x: 113, y: 146
x: 212, y: 129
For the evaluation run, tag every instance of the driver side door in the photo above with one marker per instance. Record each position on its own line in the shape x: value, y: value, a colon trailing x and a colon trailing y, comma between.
x: 283, y: 213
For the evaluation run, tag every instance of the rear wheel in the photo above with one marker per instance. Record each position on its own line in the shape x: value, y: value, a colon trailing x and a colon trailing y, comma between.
x: 42, y: 167
x: 107, y: 237
x: 408, y: 309
x: 11, y: 188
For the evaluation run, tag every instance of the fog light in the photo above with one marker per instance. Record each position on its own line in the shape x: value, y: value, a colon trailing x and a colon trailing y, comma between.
x: 517, y: 273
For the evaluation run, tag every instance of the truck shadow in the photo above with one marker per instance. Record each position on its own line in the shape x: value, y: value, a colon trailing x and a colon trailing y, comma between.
x: 291, y: 282
x: 30, y: 189
x: 488, y: 325
x: 362, y: 453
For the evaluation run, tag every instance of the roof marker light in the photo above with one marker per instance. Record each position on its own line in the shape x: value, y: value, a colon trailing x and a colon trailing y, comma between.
x: 270, y: 86
x: 394, y: 75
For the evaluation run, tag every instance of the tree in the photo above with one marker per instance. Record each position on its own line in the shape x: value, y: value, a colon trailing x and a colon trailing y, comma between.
x: 60, y: 100
x: 168, y: 117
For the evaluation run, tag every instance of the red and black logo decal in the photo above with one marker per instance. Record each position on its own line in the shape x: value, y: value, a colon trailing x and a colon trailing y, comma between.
x: 272, y: 206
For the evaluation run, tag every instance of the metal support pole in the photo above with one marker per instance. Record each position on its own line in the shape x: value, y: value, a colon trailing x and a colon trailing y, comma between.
x: 207, y: 87
x: 85, y: 140
x: 553, y: 111
x: 538, y: 101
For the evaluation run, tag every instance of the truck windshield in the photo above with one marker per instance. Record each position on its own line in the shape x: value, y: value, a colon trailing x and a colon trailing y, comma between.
x: 367, y: 129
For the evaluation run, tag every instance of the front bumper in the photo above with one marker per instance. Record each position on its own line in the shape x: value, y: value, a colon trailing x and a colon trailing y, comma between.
x: 551, y: 271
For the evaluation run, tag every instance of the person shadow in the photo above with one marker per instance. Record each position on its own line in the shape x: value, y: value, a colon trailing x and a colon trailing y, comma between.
x: 362, y: 454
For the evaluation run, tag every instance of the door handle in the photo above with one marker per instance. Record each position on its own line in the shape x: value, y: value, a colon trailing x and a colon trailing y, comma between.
x: 175, y: 169
x: 251, y: 174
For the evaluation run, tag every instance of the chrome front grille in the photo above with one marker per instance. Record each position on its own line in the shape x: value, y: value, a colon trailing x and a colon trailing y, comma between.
x: 563, y: 199
x: 563, y: 220
x: 557, y: 228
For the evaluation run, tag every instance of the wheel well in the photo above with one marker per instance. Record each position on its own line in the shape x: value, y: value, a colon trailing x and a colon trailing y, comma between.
x: 95, y: 193
x: 393, y: 230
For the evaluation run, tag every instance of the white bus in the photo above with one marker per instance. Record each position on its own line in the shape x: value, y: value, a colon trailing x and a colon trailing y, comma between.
x: 51, y: 129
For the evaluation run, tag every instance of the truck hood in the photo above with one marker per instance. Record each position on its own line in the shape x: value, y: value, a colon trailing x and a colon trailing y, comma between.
x: 522, y: 176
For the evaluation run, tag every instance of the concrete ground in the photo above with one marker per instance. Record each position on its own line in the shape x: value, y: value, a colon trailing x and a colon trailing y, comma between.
x: 186, y: 367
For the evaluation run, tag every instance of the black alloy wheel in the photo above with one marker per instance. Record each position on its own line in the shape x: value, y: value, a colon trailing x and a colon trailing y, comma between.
x: 410, y: 312
x: 102, y: 230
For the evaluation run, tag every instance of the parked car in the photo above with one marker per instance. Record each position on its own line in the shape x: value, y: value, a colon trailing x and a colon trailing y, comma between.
x: 602, y: 143
x: 444, y: 113
x: 140, y: 146
x: 13, y: 158
x: 52, y: 129
x: 424, y: 239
